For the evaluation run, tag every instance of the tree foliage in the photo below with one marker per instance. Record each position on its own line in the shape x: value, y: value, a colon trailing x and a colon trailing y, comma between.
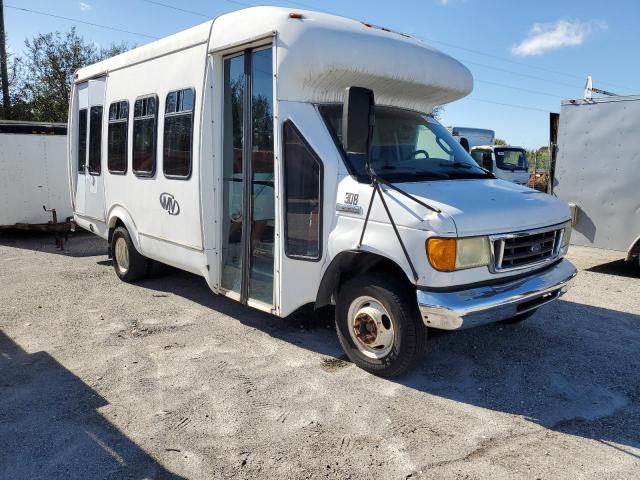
x: 437, y: 112
x: 40, y: 81
x: 500, y: 141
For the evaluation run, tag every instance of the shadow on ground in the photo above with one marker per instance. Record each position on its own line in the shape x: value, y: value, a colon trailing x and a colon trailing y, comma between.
x: 572, y: 368
x: 78, y: 244
x: 619, y: 268
x: 50, y: 427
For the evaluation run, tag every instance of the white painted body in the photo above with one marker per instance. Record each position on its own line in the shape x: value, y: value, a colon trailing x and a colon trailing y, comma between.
x: 521, y: 177
x: 597, y: 170
x: 314, y: 60
x: 34, y: 167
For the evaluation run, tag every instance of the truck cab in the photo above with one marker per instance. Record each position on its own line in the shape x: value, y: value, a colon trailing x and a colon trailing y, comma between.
x: 505, y: 162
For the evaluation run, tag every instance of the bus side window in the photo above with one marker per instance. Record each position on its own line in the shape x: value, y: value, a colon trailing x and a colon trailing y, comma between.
x: 303, y: 180
x: 177, y: 147
x: 117, y: 137
x: 145, y: 116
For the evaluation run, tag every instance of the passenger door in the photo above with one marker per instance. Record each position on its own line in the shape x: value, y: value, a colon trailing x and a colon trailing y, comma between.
x: 82, y: 139
x: 93, y: 172
x: 247, y: 261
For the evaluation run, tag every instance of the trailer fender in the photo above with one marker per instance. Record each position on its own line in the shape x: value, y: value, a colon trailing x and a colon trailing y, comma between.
x: 119, y: 215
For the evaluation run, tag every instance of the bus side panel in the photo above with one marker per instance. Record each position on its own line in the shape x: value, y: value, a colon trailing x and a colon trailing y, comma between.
x: 165, y: 211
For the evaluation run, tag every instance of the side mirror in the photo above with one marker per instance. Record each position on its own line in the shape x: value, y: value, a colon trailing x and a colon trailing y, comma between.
x: 465, y: 144
x: 357, y: 120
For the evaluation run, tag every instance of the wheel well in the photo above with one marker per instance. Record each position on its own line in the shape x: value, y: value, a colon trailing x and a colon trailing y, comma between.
x: 350, y: 264
x: 116, y: 224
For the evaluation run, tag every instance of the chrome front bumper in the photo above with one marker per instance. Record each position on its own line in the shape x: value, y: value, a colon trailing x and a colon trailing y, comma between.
x: 481, y: 305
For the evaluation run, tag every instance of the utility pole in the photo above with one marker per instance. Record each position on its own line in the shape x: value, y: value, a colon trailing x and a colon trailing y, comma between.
x: 3, y: 66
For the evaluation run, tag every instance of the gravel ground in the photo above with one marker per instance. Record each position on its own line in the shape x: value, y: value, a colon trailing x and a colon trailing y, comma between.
x: 100, y: 379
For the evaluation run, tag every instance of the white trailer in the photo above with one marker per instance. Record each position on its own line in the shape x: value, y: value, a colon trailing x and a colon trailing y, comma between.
x: 35, y: 177
x: 249, y: 150
x: 598, y: 171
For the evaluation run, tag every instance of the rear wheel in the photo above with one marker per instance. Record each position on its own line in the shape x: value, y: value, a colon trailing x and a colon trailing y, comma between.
x: 128, y: 263
x: 519, y: 318
x: 378, y: 325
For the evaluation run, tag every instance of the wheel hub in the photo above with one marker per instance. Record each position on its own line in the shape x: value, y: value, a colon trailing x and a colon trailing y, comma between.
x: 371, y: 327
x: 122, y: 255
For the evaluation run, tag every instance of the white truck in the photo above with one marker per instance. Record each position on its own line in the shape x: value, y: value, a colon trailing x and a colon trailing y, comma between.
x: 598, y: 171
x: 505, y: 162
x: 249, y: 150
x: 33, y: 160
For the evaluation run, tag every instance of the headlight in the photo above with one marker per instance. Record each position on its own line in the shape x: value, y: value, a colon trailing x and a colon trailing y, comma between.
x: 566, y: 235
x: 449, y: 254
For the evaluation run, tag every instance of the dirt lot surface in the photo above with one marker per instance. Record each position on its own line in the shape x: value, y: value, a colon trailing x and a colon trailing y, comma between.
x: 100, y: 379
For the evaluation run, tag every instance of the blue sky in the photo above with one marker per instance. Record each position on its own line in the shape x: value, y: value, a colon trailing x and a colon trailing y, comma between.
x: 522, y: 54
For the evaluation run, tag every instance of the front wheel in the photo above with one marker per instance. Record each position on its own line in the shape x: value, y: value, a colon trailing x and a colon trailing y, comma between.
x: 379, y: 326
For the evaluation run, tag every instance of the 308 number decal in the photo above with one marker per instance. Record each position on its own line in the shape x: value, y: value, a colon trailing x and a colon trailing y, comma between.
x: 351, y: 199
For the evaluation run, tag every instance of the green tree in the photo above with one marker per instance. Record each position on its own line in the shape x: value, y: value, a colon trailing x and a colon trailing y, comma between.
x: 437, y: 112
x: 44, y: 75
x: 500, y: 141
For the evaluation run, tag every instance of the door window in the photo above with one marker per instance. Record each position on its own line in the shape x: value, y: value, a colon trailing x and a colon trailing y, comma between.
x: 82, y: 140
x: 262, y: 184
x: 95, y: 140
x: 248, y: 172
x: 233, y: 166
x: 302, y: 197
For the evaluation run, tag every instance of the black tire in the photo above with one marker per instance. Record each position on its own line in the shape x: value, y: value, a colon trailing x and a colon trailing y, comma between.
x: 409, y: 335
x: 138, y: 264
x: 519, y: 318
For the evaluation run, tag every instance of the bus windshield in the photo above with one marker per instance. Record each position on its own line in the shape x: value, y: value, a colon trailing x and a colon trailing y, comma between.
x: 407, y: 147
x: 511, y: 159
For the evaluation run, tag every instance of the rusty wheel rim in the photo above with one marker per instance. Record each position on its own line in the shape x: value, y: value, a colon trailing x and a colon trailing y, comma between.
x: 371, y: 327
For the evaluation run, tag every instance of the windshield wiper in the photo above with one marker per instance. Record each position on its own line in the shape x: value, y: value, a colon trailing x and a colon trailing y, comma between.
x: 466, y: 166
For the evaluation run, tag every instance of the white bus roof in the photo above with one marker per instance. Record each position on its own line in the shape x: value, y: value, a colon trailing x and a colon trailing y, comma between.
x: 319, y: 55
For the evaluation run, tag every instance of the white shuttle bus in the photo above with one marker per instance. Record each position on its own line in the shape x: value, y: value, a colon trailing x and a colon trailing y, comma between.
x: 248, y: 150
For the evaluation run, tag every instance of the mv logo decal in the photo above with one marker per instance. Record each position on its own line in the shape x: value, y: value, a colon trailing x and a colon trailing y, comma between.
x: 170, y: 204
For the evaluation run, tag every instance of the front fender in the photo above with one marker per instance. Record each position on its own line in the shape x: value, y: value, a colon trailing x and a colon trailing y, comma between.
x: 119, y: 212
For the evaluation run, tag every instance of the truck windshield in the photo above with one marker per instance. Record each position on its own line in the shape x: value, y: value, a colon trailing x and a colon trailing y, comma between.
x: 511, y: 159
x: 407, y: 147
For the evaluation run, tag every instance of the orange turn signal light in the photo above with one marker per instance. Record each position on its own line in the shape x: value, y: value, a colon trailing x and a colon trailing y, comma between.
x: 441, y: 253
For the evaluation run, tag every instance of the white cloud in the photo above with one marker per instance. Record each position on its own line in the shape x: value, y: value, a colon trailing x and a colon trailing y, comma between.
x: 85, y: 7
x: 563, y: 33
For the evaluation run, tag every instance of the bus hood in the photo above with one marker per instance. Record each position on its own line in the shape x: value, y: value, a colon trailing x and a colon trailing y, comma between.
x: 483, y: 207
